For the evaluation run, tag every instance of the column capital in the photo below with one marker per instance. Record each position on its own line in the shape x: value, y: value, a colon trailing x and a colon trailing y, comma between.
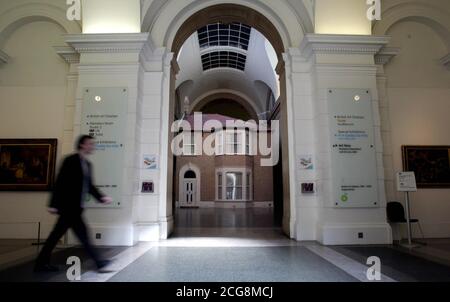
x: 68, y: 54
x: 445, y: 61
x: 386, y: 54
x: 313, y: 44
x: 107, y: 43
x: 4, y: 58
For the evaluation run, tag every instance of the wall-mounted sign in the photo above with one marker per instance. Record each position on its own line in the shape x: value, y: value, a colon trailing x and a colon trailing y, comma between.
x: 150, y: 162
x: 148, y: 187
x: 306, y: 162
x: 406, y: 182
x: 104, y: 115
x: 353, y: 155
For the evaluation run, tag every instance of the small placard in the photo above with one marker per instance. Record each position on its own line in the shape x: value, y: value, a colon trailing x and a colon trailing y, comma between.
x: 406, y: 182
x: 148, y: 187
x: 308, y: 188
x: 150, y: 162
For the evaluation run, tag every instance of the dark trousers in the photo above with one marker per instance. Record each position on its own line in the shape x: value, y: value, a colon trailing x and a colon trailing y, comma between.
x: 65, y: 222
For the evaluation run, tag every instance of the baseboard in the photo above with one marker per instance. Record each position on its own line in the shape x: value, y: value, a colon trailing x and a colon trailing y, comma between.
x: 147, y: 232
x: 354, y: 234
x: 107, y: 235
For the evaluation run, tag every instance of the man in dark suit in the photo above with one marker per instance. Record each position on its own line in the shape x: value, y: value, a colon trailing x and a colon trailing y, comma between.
x: 73, y: 185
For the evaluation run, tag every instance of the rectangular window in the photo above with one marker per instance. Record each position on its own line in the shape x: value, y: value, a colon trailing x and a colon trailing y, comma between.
x: 219, y: 142
x: 189, y: 143
x: 219, y: 186
x: 234, y: 186
x: 229, y: 142
x: 247, y: 187
x: 247, y: 142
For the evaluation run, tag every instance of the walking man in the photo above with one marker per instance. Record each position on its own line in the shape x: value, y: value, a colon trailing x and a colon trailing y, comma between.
x: 73, y: 185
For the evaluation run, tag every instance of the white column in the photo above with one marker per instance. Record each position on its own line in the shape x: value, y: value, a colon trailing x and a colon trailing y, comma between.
x: 154, y: 218
x: 113, y: 60
x: 342, y: 61
x: 381, y: 59
x: 73, y: 59
x: 299, y: 86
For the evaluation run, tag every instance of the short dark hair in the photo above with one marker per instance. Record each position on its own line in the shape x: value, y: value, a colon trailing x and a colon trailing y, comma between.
x: 82, y: 139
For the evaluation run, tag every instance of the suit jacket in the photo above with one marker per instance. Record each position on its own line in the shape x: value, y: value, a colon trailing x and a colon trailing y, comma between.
x: 66, y: 197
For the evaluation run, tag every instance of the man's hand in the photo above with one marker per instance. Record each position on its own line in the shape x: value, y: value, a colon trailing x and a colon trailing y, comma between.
x: 106, y: 199
x: 53, y: 211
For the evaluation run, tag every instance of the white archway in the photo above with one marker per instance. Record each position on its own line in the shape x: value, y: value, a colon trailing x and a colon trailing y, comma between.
x: 17, y: 16
x: 436, y: 19
x: 163, y: 18
x: 241, y: 98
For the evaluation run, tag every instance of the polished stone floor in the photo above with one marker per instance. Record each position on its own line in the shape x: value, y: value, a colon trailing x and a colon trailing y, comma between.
x: 229, y: 245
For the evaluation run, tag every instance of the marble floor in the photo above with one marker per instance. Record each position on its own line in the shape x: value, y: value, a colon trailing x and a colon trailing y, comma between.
x: 230, y: 245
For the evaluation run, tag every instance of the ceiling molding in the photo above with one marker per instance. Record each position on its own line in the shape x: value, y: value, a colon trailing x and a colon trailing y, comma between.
x: 386, y: 54
x: 445, y: 61
x: 4, y: 58
x: 68, y: 54
x: 108, y: 43
x: 342, y: 44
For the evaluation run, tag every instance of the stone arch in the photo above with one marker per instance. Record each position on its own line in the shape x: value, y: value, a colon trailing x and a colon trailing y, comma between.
x: 426, y: 14
x: 20, y: 15
x: 236, y: 96
x: 290, y: 20
x: 175, y: 24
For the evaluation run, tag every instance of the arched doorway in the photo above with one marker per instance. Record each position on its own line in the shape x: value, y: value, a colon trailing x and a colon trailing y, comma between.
x: 229, y: 14
x: 189, y: 186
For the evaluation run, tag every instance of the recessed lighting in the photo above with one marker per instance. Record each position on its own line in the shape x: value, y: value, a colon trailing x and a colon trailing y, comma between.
x: 357, y: 98
x: 98, y: 98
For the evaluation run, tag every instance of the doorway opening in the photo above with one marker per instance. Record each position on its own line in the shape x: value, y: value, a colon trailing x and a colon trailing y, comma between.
x: 231, y: 69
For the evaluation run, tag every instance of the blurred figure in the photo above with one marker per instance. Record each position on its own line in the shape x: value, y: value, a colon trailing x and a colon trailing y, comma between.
x: 73, y: 185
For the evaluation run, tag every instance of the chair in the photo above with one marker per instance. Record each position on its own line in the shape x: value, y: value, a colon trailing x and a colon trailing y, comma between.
x: 396, y: 214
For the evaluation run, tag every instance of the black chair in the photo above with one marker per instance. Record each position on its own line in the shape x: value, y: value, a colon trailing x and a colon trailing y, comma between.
x: 396, y: 214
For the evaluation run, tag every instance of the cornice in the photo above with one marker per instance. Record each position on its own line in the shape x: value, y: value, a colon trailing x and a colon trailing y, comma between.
x: 107, y: 43
x: 68, y: 54
x: 4, y: 58
x: 386, y: 54
x: 445, y: 61
x: 342, y: 44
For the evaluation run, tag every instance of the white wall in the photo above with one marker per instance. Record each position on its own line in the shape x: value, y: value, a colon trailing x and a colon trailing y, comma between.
x: 32, y: 93
x: 342, y: 17
x: 419, y: 97
x: 111, y: 16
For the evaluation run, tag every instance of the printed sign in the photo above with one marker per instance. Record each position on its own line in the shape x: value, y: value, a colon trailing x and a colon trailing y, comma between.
x: 406, y: 182
x: 353, y: 155
x: 104, y: 115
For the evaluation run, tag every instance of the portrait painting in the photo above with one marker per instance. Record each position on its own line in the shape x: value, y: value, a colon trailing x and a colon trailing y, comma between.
x: 27, y: 164
x: 430, y: 164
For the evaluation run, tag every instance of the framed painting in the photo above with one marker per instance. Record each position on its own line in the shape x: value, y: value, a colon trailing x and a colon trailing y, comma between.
x: 27, y: 164
x: 431, y: 165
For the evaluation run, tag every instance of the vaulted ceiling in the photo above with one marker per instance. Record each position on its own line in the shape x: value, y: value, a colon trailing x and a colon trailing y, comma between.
x: 227, y: 58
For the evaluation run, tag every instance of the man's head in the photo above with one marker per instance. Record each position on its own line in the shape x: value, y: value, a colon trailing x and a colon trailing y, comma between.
x: 86, y: 144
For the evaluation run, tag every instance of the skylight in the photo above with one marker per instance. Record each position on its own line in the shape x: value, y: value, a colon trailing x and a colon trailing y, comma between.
x: 217, y: 34
x: 218, y: 59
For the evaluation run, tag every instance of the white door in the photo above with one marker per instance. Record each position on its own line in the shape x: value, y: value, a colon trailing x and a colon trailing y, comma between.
x: 189, y: 193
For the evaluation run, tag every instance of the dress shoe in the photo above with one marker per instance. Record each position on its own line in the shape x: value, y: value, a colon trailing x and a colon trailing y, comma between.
x: 102, y: 264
